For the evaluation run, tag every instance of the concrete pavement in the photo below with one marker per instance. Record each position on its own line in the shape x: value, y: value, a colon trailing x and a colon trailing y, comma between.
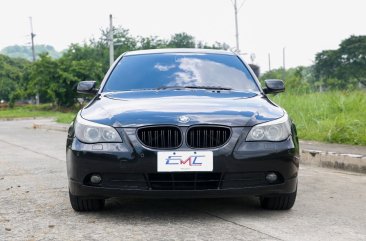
x: 34, y: 203
x: 338, y: 156
x: 332, y: 147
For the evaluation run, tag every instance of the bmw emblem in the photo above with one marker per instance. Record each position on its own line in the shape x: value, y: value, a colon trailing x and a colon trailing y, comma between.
x: 183, y: 119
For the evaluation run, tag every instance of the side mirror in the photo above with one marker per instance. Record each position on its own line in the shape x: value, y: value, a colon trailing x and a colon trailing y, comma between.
x: 87, y: 87
x: 274, y: 86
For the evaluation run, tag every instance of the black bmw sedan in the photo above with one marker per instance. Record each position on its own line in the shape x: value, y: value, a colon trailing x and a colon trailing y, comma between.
x: 181, y: 123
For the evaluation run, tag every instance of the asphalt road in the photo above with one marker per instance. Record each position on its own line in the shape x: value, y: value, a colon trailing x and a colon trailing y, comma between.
x: 34, y: 205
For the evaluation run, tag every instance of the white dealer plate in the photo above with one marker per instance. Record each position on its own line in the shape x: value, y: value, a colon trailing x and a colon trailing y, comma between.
x: 185, y: 161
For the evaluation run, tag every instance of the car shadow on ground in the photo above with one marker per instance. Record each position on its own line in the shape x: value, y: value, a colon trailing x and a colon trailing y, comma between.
x: 167, y: 210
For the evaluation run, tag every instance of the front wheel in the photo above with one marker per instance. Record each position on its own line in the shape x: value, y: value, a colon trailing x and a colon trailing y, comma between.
x: 81, y: 204
x: 279, y: 202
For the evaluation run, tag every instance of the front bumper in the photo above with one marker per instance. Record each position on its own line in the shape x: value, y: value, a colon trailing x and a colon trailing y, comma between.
x: 79, y: 189
x: 130, y: 169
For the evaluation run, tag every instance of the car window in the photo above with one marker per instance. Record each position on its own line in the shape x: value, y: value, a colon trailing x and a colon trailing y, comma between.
x: 179, y: 70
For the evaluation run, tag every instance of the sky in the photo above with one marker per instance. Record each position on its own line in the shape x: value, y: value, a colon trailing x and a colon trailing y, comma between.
x: 302, y: 27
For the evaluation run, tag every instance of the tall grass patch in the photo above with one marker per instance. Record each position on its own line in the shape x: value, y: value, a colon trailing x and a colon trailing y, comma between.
x: 334, y: 116
x: 43, y: 110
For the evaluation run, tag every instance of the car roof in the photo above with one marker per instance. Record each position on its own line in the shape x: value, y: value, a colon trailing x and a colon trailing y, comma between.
x: 179, y: 50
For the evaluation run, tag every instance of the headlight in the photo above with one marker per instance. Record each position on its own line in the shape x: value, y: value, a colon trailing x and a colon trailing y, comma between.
x: 277, y: 130
x: 90, y: 132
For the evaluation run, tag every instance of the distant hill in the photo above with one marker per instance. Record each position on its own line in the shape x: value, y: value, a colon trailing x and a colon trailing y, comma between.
x: 25, y: 52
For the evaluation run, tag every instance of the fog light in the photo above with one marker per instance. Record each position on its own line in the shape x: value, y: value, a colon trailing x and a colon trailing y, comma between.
x: 95, y: 179
x: 271, y: 177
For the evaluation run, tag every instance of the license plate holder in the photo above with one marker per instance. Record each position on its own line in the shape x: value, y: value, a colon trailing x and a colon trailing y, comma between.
x: 185, y: 161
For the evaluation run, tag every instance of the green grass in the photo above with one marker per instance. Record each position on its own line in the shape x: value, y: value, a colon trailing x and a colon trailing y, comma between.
x: 44, y: 110
x: 335, y: 117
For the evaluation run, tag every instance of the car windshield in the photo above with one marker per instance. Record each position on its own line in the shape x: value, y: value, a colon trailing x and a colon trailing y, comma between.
x: 193, y: 71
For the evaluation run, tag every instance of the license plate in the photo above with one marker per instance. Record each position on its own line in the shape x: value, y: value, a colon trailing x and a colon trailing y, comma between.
x: 185, y: 161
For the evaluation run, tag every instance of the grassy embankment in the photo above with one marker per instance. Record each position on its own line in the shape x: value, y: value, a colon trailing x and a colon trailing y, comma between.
x: 336, y: 117
x: 43, y: 110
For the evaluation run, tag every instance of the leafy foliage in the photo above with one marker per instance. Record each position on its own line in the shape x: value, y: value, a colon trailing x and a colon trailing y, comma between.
x: 12, y: 76
x: 340, y: 69
x: 344, y: 67
x: 152, y: 42
x: 43, y: 77
x: 296, y: 79
x: 333, y: 116
x: 182, y: 40
x: 55, y: 78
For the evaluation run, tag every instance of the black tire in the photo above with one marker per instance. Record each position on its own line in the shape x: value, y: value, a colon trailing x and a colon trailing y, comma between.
x: 279, y: 202
x: 80, y: 204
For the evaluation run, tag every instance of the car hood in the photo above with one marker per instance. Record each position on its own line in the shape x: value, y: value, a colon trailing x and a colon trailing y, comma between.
x: 149, y: 107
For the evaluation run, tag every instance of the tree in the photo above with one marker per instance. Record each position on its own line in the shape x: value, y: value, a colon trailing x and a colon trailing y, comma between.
x: 152, y: 42
x: 216, y: 45
x: 353, y: 58
x: 44, y: 75
x: 297, y: 79
x: 123, y: 41
x: 12, y: 72
x: 79, y: 63
x: 55, y: 79
x: 343, y: 67
x: 182, y: 40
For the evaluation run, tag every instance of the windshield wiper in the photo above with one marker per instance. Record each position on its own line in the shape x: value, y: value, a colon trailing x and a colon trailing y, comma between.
x: 170, y: 87
x: 195, y: 87
x: 177, y: 87
x: 208, y: 87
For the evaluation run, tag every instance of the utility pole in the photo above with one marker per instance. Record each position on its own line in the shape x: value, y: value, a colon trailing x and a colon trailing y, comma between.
x: 236, y: 11
x: 111, y: 46
x: 284, y: 63
x: 269, y: 62
x: 33, y: 53
x: 32, y: 40
x: 236, y: 26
